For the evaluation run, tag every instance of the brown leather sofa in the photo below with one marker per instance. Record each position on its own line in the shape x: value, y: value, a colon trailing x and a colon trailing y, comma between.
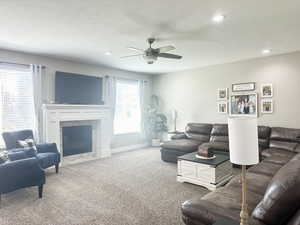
x: 214, y: 136
x: 273, y: 188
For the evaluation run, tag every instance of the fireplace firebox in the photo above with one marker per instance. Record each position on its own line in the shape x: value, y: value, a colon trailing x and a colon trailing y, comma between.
x: 77, y: 139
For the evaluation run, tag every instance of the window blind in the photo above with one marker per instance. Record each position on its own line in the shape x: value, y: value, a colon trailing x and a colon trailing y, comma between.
x: 16, y: 100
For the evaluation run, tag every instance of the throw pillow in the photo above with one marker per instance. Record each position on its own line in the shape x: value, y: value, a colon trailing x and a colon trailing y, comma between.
x: 27, y: 143
x: 3, y: 157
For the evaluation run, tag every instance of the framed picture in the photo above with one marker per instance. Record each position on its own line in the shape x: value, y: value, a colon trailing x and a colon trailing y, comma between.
x: 243, y: 105
x: 222, y: 107
x: 243, y: 87
x: 266, y: 90
x: 222, y: 93
x: 267, y: 105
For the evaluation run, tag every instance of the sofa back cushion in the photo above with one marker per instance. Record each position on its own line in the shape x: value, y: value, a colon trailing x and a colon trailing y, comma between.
x: 264, y: 136
x: 198, y: 131
x: 282, y: 197
x: 219, y: 133
x: 285, y: 138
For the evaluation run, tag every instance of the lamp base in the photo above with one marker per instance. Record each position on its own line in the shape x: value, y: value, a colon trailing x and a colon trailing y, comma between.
x: 244, y: 211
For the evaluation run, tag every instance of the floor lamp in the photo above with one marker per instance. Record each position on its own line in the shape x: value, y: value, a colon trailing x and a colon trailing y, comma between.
x: 243, y: 145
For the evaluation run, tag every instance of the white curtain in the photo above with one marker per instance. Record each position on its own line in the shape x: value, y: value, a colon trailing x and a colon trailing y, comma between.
x: 37, y: 73
x: 110, y: 97
x: 143, y: 96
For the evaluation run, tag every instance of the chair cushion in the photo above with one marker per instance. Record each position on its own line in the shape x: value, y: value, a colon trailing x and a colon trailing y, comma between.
x: 48, y: 159
x: 282, y: 197
x: 184, y: 145
x: 21, y: 153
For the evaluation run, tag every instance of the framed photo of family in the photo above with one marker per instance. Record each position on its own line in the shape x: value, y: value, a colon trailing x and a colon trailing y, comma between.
x: 266, y: 106
x: 222, y: 107
x: 243, y: 104
x: 266, y: 90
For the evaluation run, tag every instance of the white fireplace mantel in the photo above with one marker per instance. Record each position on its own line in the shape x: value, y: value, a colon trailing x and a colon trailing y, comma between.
x: 55, y: 114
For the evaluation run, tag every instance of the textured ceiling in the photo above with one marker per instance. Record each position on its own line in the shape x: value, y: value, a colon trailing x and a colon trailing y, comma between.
x: 84, y: 30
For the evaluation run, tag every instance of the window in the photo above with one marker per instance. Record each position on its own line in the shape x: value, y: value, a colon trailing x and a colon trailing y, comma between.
x: 16, y: 101
x: 128, y: 110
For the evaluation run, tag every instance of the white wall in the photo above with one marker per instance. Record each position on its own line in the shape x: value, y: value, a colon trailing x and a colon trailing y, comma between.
x: 194, y: 93
x: 54, y: 64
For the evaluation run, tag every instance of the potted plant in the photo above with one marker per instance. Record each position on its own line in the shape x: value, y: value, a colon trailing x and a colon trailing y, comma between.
x: 156, y: 122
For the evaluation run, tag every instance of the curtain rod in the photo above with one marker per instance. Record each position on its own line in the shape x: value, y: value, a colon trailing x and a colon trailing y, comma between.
x: 20, y: 64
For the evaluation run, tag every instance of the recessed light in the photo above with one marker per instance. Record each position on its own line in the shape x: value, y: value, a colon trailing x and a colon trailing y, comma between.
x: 218, y: 18
x: 108, y: 53
x: 266, y: 51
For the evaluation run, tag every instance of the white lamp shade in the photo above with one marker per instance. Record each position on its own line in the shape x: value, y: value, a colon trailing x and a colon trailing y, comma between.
x: 243, y: 141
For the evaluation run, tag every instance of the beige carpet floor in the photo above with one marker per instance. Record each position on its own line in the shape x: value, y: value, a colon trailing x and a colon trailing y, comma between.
x: 131, y: 188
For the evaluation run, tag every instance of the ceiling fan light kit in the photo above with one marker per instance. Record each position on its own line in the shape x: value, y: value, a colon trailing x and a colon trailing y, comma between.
x: 150, y: 55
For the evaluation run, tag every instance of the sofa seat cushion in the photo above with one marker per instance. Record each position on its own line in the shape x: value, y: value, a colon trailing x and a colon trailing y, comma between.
x: 183, y: 145
x: 265, y: 168
x: 231, y: 198
x: 171, y: 155
x: 224, y: 202
x: 256, y: 183
x: 206, y: 212
x: 282, y: 197
x: 48, y: 159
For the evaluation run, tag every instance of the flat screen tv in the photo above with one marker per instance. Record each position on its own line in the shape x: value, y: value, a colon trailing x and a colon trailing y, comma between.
x: 80, y: 89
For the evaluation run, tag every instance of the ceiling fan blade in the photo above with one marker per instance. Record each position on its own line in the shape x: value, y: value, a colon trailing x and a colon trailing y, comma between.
x: 169, y: 56
x: 165, y: 49
x: 136, y: 49
x: 129, y: 56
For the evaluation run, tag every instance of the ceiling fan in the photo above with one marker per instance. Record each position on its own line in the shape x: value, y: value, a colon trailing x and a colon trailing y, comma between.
x: 151, y: 54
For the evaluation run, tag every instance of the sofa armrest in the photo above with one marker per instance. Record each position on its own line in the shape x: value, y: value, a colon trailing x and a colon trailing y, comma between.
x: 48, y: 147
x: 179, y: 136
x: 22, y: 173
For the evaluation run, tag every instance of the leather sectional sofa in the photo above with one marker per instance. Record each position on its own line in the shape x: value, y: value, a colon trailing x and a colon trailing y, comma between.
x: 214, y: 136
x: 273, y: 185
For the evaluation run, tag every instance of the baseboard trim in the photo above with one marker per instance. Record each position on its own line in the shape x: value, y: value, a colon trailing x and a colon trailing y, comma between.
x: 129, y: 148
